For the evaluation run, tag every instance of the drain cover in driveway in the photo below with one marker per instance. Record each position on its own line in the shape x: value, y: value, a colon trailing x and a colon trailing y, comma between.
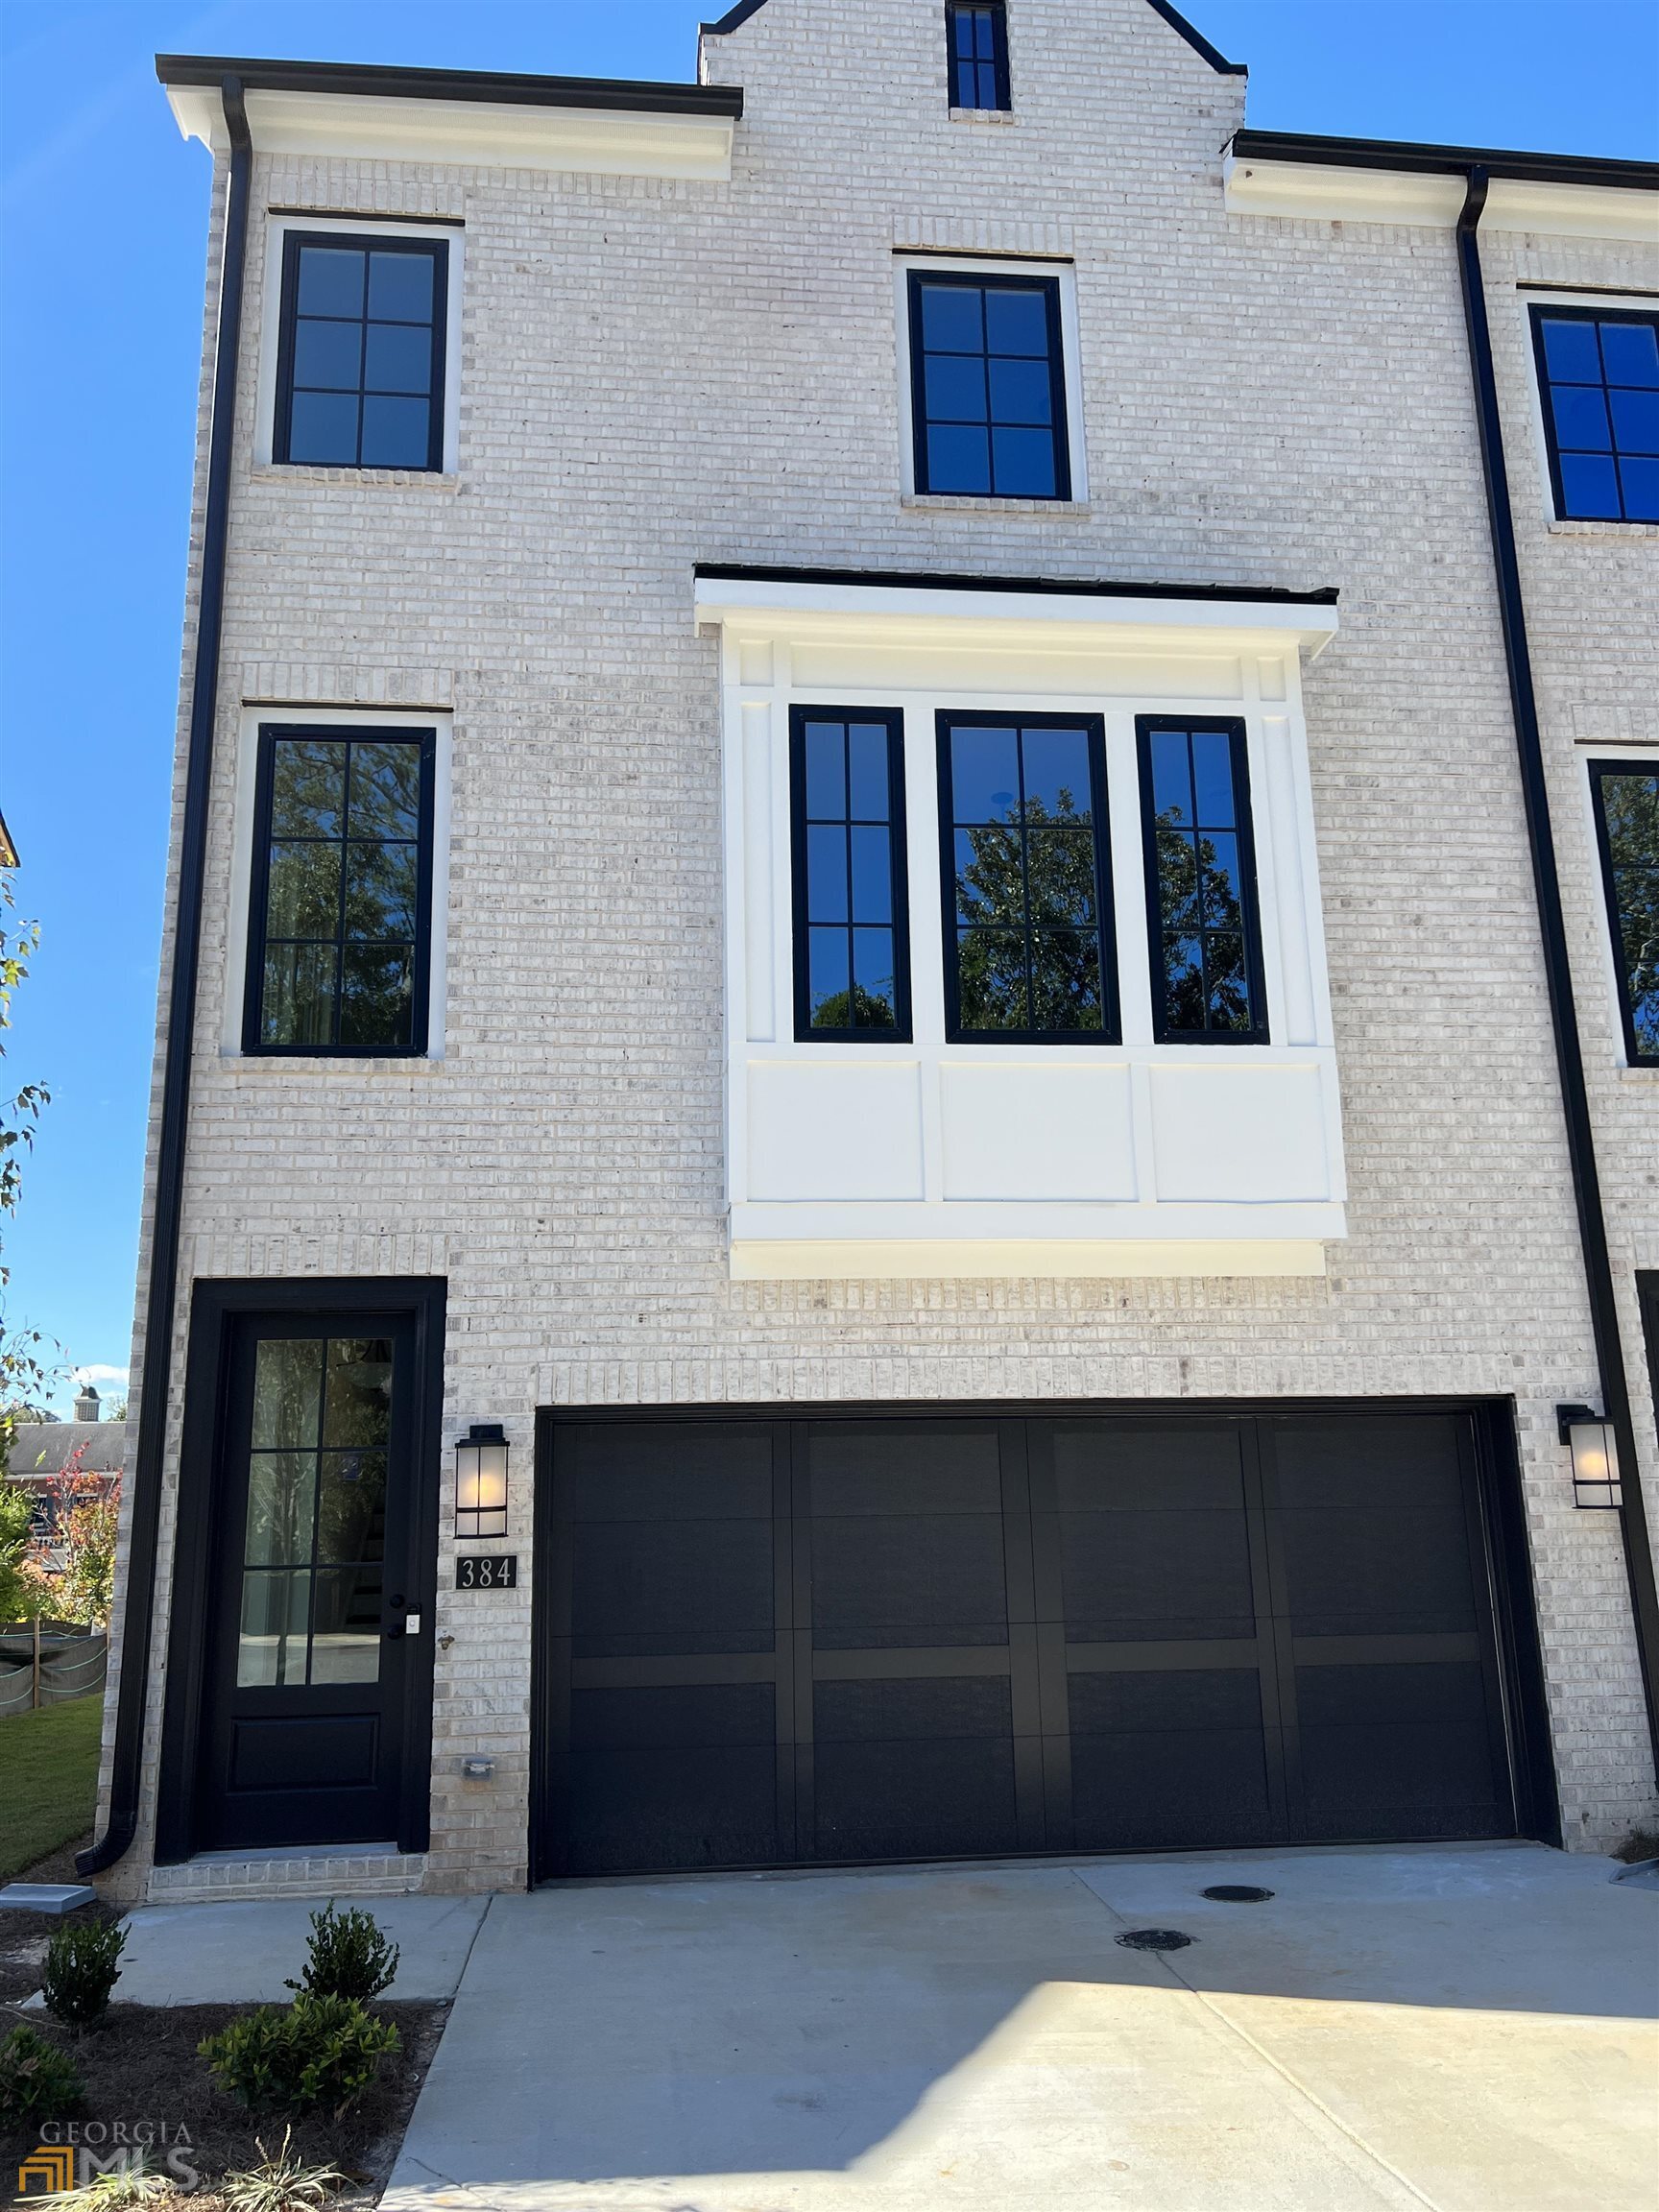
x: 1154, y: 1939
x: 1236, y: 1893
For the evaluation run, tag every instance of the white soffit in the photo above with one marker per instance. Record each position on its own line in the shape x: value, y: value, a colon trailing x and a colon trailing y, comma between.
x: 1313, y: 192
x: 470, y: 134
x: 1035, y: 619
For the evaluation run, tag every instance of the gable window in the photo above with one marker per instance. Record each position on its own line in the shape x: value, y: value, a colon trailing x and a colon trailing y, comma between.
x: 360, y: 356
x: 988, y: 385
x: 1627, y: 796
x: 339, y: 941
x: 1023, y: 823
x: 847, y: 820
x: 978, y: 39
x: 1598, y: 373
x: 1200, y: 884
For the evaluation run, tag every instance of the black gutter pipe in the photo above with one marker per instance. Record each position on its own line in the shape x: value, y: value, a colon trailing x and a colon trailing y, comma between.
x: 1563, y: 1014
x: 138, y: 1607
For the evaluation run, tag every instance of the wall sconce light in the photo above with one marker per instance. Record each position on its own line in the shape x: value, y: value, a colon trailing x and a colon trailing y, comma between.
x: 481, y: 1481
x: 1594, y: 1457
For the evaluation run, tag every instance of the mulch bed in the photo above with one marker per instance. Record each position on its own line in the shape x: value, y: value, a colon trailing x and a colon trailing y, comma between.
x: 140, y: 2064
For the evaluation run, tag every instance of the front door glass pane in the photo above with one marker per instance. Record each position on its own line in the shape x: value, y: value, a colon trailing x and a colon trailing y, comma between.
x: 316, y: 1520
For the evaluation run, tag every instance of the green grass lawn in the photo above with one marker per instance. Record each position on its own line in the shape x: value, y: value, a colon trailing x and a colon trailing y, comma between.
x: 48, y: 1780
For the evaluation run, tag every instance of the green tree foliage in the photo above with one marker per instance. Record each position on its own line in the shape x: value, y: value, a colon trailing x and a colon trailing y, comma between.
x: 19, y: 1593
x: 23, y: 1373
x: 1207, y: 981
x: 1631, y: 805
x: 1032, y: 959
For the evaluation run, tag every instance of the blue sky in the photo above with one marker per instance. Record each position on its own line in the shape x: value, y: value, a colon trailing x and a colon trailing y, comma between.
x: 102, y: 241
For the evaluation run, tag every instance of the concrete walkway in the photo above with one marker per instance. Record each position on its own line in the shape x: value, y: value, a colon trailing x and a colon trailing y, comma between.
x: 246, y: 1953
x: 1470, y: 2030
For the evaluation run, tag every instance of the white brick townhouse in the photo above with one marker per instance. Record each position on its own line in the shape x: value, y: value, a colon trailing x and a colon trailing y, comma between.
x: 909, y: 1081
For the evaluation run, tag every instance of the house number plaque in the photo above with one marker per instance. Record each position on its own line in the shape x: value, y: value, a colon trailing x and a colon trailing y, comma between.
x: 487, y: 1570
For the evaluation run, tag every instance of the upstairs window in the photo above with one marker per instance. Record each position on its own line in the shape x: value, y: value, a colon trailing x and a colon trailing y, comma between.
x: 1599, y: 373
x: 360, y: 361
x: 338, y: 953
x: 988, y: 385
x: 1027, y: 899
x: 852, y: 920
x: 978, y: 36
x: 1200, y: 884
x: 1626, y: 794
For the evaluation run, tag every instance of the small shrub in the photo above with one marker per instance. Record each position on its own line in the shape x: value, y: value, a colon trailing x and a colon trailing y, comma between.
x: 321, y: 2051
x: 348, y: 1957
x: 83, y: 1965
x: 282, y: 2184
x: 1641, y: 1844
x: 37, y: 2081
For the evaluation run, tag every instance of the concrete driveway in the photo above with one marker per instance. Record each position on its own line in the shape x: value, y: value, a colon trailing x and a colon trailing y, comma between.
x: 1462, y: 2030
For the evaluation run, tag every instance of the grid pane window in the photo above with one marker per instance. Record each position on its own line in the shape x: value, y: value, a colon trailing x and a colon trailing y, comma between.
x: 360, y: 381
x: 847, y: 804
x: 1599, y: 375
x: 316, y: 1527
x: 978, y: 36
x: 338, y: 951
x: 1628, y: 824
x: 988, y: 392
x: 1201, y: 883
x: 1023, y: 819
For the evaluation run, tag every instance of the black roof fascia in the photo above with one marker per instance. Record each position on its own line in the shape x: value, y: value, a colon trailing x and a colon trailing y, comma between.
x: 500, y: 86
x: 1445, y: 161
x: 735, y: 17
x: 1063, y: 587
x: 1198, y: 42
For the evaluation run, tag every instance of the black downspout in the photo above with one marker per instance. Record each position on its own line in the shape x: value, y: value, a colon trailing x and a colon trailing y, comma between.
x: 139, y: 1606
x: 1569, y: 1051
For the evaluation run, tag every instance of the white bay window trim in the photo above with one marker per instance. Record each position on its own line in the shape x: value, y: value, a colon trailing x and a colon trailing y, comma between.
x: 869, y: 1158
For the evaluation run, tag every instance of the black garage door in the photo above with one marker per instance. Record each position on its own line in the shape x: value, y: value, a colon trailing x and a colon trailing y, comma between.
x: 937, y: 1635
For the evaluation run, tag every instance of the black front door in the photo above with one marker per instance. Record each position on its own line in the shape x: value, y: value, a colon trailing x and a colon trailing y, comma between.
x: 939, y: 1634
x: 313, y: 1616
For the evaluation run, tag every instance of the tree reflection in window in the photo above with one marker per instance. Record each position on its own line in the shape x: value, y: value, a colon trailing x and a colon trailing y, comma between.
x: 1025, y: 828
x: 847, y: 814
x: 1201, y: 871
x: 1627, y: 823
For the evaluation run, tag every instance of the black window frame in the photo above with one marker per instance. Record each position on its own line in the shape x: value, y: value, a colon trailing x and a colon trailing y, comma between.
x: 254, y: 1044
x: 1541, y: 311
x: 893, y: 719
x: 437, y: 250
x: 1250, y: 903
x: 1111, y: 1029
x: 1018, y: 278
x: 998, y: 11
x: 1600, y: 771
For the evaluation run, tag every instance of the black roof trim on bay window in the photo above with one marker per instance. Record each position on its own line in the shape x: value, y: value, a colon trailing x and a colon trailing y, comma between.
x: 1066, y: 587
x: 735, y: 17
x: 1445, y: 161
x: 504, y: 87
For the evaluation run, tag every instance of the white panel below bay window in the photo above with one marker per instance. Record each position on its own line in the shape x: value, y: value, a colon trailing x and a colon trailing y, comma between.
x: 821, y: 1131
x: 1039, y: 1129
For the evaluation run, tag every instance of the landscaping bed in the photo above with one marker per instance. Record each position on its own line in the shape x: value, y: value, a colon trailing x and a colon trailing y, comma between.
x: 143, y: 2075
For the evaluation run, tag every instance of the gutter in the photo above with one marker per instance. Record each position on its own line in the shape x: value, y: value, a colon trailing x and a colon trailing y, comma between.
x: 1547, y: 881
x: 495, y: 86
x: 137, y: 1615
x: 1415, y: 160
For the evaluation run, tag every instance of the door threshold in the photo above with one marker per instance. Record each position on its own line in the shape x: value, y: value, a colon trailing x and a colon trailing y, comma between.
x: 315, y: 1870
x: 265, y: 1853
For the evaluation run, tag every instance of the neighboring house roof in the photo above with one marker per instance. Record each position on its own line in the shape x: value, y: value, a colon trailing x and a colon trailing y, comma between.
x: 45, y: 1447
x: 735, y: 18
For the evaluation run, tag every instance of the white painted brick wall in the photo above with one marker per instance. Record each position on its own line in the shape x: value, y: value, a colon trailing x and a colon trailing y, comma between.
x: 658, y: 373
